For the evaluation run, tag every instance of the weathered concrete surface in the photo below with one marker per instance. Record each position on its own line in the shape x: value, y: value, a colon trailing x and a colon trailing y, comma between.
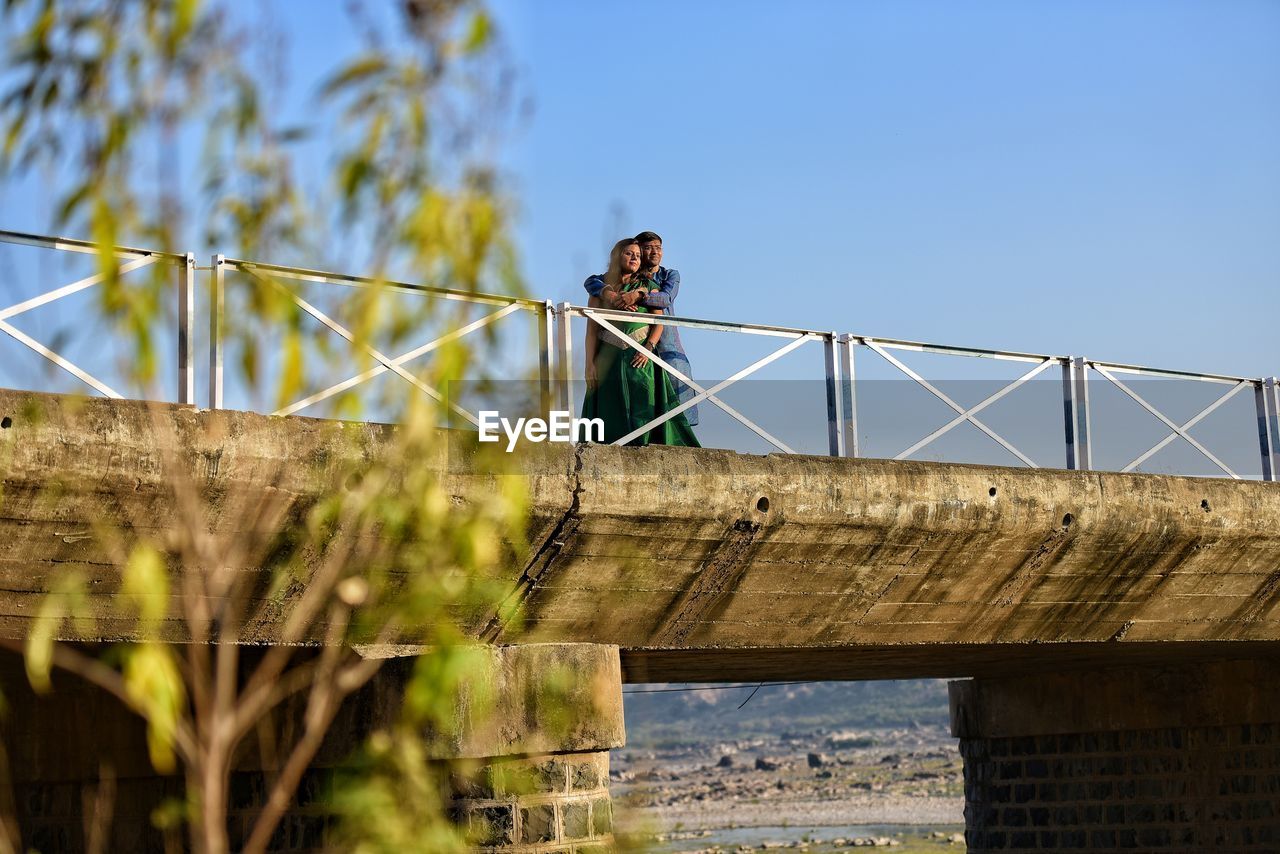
x: 706, y: 564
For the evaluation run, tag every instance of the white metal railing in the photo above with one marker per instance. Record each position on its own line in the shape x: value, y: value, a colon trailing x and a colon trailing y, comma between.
x: 275, y: 275
x: 555, y: 361
x: 132, y: 259
x: 882, y: 347
x: 842, y: 410
x: 605, y: 318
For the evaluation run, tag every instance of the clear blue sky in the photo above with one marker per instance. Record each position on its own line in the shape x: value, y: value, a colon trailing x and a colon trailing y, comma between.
x: 1079, y: 178
x: 1095, y: 178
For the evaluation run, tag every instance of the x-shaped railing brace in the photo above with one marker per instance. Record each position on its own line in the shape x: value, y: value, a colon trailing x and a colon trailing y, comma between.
x: 965, y: 414
x: 1178, y: 430
x: 702, y: 393
x: 385, y: 363
x: 57, y: 294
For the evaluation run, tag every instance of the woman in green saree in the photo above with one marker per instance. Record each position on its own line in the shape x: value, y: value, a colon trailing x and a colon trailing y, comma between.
x: 624, y: 388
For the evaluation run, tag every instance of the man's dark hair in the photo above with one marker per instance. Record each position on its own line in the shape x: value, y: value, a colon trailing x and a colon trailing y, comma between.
x: 647, y: 236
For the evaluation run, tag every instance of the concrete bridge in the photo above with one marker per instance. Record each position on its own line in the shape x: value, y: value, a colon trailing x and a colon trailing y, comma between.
x: 1118, y: 634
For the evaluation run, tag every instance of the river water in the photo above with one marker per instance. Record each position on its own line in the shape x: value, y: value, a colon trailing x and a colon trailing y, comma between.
x: 910, y: 837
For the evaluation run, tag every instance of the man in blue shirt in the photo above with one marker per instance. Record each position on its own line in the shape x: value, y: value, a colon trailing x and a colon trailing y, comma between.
x: 668, y: 282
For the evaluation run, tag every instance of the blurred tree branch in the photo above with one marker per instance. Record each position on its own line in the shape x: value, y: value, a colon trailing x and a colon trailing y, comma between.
x: 96, y: 84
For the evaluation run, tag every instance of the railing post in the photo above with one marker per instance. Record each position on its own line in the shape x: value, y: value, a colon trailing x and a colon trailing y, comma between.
x: 849, y: 380
x: 186, y: 329
x: 546, y: 348
x: 1266, y: 398
x: 216, y: 308
x: 1273, y: 386
x: 835, y: 395
x: 564, y: 357
x: 1075, y: 413
x: 1069, y: 411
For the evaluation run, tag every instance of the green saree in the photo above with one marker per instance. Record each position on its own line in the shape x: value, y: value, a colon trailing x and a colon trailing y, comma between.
x: 627, y: 398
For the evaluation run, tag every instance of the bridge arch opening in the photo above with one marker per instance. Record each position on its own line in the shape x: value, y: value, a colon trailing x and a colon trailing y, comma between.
x: 788, y: 763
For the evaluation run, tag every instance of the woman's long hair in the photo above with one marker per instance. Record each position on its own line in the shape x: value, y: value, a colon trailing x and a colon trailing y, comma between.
x: 613, y: 278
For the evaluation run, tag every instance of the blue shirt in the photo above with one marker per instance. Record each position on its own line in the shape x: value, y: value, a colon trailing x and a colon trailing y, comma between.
x: 668, y: 282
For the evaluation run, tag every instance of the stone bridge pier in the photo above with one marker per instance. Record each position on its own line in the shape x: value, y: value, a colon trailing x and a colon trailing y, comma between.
x: 528, y: 756
x: 1172, y: 758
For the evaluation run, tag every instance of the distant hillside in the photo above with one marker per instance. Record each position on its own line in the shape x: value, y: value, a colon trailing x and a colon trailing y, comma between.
x: 712, y: 713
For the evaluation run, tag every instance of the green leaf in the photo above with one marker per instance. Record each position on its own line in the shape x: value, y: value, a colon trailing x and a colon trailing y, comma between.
x: 39, y: 657
x: 356, y: 72
x: 478, y: 34
x: 155, y: 688
x: 73, y: 201
x: 184, y: 15
x: 63, y: 601
x: 291, y: 370
x: 146, y: 582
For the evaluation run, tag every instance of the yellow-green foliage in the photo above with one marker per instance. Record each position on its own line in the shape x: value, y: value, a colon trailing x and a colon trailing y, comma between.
x: 105, y: 86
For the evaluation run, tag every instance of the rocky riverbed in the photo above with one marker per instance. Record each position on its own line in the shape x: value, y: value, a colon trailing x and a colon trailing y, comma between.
x: 818, y: 790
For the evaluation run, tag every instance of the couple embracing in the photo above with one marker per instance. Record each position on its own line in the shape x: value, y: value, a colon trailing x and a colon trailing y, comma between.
x: 625, y: 389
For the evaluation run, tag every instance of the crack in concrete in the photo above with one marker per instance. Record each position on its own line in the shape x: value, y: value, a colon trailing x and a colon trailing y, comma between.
x: 1015, y: 585
x: 1256, y: 606
x: 717, y: 577
x: 875, y: 600
x: 1122, y: 631
x: 548, y: 550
